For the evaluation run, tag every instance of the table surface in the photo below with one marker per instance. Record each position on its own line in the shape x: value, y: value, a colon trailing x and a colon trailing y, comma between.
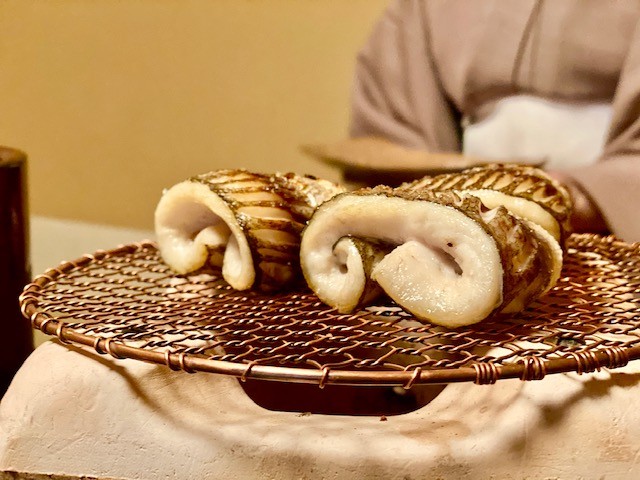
x: 56, y: 240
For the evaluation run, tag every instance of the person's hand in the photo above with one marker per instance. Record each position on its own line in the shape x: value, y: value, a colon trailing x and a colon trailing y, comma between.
x: 586, y: 216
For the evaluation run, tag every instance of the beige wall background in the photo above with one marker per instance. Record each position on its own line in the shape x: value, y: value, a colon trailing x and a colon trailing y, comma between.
x: 115, y: 100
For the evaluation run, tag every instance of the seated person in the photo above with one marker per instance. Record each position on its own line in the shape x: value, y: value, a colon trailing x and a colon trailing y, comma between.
x: 558, y: 81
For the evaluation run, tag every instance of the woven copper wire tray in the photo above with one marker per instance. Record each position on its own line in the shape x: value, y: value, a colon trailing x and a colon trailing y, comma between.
x: 127, y: 303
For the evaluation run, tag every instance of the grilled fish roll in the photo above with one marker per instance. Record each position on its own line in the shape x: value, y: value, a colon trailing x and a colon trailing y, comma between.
x: 455, y: 261
x: 241, y: 221
x: 526, y: 191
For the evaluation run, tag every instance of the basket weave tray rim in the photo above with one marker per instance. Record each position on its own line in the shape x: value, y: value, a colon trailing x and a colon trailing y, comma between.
x: 126, y: 303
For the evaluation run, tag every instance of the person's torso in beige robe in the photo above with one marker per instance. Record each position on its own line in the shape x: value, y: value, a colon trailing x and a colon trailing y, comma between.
x: 434, y: 67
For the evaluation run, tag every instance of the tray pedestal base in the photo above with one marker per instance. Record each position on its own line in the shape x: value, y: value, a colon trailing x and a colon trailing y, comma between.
x: 72, y: 412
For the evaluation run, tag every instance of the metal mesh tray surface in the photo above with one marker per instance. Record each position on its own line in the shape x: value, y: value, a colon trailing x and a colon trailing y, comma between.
x: 127, y: 303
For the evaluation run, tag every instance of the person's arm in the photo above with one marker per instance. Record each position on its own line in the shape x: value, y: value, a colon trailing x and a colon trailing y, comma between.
x: 613, y: 183
x: 397, y: 94
x: 586, y: 216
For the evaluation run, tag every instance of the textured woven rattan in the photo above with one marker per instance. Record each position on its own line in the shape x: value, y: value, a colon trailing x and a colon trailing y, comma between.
x: 127, y: 303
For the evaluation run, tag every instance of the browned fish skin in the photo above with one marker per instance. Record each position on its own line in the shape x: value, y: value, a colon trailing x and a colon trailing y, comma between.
x: 526, y: 259
x: 529, y: 183
x: 271, y: 210
x: 303, y: 193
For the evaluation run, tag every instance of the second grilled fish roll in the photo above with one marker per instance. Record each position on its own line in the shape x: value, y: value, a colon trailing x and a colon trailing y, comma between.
x: 455, y: 262
x: 246, y: 223
x: 526, y: 191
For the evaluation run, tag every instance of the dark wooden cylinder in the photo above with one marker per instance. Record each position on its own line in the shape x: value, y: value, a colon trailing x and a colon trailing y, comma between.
x: 16, y: 336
